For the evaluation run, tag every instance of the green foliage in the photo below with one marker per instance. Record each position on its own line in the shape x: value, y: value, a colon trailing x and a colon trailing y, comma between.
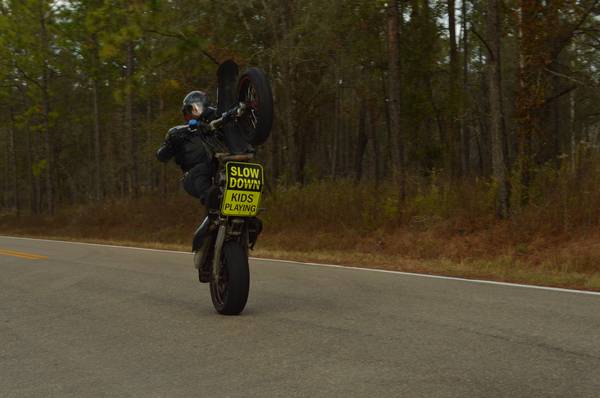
x: 327, y: 61
x: 38, y: 167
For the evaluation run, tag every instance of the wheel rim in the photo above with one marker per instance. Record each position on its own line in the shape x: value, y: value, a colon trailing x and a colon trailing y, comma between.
x: 222, y: 285
x: 249, y: 96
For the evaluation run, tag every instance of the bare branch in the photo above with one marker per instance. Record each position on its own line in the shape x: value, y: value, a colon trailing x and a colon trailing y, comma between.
x: 27, y: 77
x: 564, y: 76
x: 490, y: 52
x: 183, y: 38
x: 557, y: 96
x: 563, y: 41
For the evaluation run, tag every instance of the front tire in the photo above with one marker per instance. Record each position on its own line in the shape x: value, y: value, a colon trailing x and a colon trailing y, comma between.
x: 255, y: 91
x: 230, y: 293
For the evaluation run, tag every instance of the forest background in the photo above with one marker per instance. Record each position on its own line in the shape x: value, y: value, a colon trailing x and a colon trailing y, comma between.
x: 455, y: 137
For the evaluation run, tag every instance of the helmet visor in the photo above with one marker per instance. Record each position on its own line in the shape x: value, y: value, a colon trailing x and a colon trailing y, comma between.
x: 193, y: 110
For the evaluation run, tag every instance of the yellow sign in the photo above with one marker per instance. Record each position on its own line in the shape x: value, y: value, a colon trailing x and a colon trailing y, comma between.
x: 243, y: 189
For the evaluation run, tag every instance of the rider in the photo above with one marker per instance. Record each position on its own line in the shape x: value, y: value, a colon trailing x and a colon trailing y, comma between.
x: 192, y: 151
x: 194, y: 154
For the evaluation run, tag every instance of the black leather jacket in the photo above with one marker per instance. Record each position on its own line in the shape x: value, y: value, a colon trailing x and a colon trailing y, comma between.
x: 188, y: 149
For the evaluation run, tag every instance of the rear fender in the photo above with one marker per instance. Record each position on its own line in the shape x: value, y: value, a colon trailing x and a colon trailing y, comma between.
x: 227, y: 76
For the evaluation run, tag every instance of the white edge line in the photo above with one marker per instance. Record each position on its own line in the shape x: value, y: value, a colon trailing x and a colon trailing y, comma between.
x: 451, y: 278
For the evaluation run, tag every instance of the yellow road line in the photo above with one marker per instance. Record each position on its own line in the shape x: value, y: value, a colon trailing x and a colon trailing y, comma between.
x: 28, y: 256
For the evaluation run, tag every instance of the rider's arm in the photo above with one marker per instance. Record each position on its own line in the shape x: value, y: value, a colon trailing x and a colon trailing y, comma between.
x: 165, y: 152
x: 169, y: 147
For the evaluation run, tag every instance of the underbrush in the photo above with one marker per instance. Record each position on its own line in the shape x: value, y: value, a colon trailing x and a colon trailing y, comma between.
x: 450, y: 228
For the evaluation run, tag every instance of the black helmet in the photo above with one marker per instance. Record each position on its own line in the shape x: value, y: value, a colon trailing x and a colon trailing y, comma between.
x: 194, y: 104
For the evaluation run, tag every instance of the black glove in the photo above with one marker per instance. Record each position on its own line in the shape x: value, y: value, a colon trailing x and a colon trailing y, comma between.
x: 229, y: 115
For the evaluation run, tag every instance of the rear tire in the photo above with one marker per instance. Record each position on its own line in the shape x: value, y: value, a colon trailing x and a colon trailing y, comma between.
x: 254, y: 90
x: 230, y: 294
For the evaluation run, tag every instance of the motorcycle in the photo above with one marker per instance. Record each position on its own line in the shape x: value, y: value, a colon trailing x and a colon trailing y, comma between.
x: 234, y: 228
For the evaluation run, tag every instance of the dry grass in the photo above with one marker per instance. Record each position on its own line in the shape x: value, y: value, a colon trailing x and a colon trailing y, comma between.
x: 555, y: 241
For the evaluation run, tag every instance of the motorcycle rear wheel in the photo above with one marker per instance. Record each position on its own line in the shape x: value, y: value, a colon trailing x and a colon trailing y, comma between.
x: 230, y: 294
x: 254, y: 90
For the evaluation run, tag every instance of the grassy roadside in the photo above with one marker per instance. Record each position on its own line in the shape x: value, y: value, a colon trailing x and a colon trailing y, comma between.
x: 297, y: 229
x: 505, y: 270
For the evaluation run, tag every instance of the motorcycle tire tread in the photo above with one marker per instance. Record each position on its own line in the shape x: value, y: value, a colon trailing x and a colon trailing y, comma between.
x: 236, y: 261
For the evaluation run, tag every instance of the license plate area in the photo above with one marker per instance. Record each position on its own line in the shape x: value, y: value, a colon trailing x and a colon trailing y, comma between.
x: 243, y: 189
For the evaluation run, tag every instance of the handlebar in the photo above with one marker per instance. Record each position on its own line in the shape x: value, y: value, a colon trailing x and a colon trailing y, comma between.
x: 234, y: 112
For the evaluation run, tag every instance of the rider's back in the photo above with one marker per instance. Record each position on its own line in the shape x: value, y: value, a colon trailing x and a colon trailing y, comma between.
x: 188, y: 151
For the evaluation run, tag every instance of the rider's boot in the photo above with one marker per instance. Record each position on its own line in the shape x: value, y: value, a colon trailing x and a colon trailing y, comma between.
x: 254, y: 229
x: 203, y: 236
x: 201, y: 248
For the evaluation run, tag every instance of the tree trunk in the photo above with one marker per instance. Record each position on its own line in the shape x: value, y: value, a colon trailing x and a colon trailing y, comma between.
x: 465, y: 131
x: 483, y: 131
x: 13, y: 160
x: 454, y: 141
x: 294, y: 138
x: 300, y: 158
x: 97, y: 140
x: 362, y: 141
x: 532, y: 89
x: 48, y: 142
x: 385, y: 160
x: 36, y: 203
x: 275, y: 157
x: 5, y: 199
x: 396, y: 147
x: 28, y: 170
x: 373, y: 119
x: 133, y: 150
x: 337, y: 116
x: 97, y: 149
x: 494, y: 32
x: 572, y: 137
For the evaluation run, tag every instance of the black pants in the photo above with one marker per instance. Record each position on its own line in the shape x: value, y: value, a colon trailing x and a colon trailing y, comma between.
x: 198, y: 180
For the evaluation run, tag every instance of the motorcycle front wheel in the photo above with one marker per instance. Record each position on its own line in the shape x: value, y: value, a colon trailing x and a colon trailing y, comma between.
x: 230, y: 293
x: 254, y: 90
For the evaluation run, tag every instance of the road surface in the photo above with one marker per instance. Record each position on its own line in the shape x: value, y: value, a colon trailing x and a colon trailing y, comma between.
x: 80, y: 320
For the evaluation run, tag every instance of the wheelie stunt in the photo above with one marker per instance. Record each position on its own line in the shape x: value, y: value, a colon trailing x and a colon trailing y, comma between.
x: 214, y: 150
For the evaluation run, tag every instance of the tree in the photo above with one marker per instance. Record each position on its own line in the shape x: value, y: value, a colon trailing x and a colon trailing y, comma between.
x: 396, y: 147
x: 371, y: 91
x: 454, y: 139
x: 494, y: 65
x: 545, y: 29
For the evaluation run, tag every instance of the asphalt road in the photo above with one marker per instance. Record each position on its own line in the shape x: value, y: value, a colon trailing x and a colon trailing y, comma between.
x: 82, y: 320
